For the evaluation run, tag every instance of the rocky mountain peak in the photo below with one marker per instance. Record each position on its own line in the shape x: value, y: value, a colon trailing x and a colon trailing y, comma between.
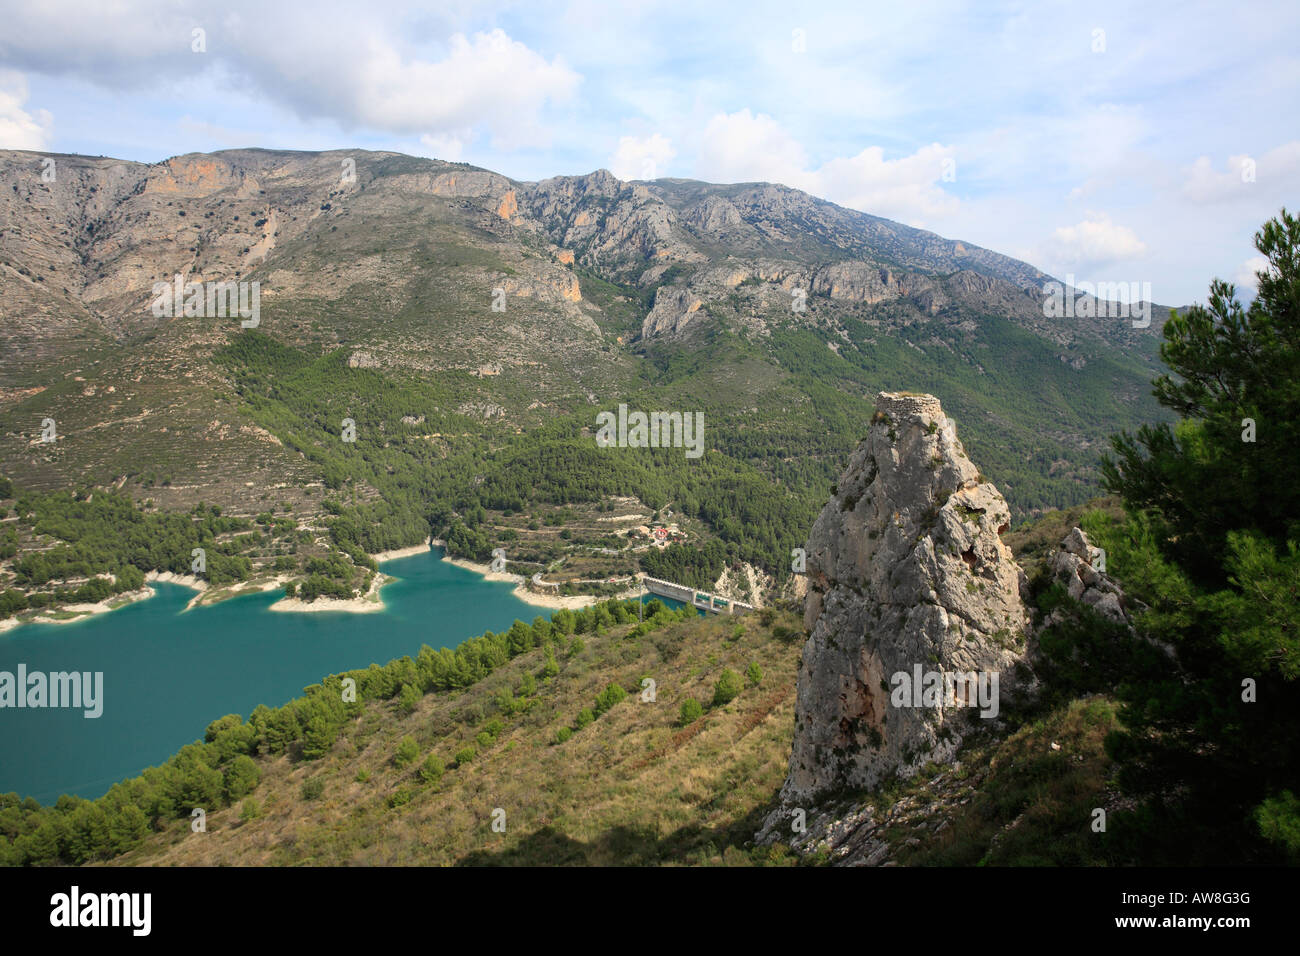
x: 915, y: 612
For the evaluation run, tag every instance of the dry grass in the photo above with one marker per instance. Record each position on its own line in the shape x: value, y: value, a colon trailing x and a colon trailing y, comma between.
x: 631, y: 788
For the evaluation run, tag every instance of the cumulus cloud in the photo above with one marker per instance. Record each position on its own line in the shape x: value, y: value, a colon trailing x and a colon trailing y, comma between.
x: 20, y: 129
x: 906, y: 188
x: 1246, y: 278
x: 1279, y: 168
x: 445, y: 146
x: 743, y: 147
x: 487, y: 79
x: 641, y: 157
x: 1094, y: 242
x: 1205, y: 184
x: 359, y: 71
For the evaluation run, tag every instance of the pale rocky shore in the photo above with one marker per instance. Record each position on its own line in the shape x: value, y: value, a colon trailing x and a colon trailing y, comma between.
x: 368, y: 603
x: 553, y: 601
x: 68, y: 613
x: 383, y: 556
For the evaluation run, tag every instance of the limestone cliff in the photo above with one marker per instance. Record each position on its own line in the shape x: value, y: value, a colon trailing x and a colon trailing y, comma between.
x: 907, y: 578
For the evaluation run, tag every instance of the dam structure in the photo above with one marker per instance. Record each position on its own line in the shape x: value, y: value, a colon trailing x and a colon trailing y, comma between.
x: 712, y: 603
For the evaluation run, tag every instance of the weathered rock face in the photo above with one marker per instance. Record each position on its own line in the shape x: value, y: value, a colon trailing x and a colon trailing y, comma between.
x: 673, y: 310
x: 906, y: 574
x: 1080, y: 567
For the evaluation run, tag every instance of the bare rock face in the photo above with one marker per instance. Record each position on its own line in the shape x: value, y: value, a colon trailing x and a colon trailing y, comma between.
x: 673, y: 311
x: 363, y: 359
x: 907, y: 578
x: 1081, y: 568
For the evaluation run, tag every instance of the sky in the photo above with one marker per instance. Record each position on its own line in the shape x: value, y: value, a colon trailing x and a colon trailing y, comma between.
x: 1112, y: 142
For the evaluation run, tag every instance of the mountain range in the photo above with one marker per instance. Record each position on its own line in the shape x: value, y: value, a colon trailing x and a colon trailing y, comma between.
x: 462, y: 320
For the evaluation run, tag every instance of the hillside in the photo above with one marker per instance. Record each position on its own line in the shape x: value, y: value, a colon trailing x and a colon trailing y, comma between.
x: 631, y: 787
x: 472, y: 327
x: 634, y: 786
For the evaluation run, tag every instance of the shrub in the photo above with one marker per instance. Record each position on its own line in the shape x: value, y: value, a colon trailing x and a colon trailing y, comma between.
x: 250, y: 810
x: 465, y: 755
x: 406, y: 752
x: 563, y: 734
x: 754, y: 674
x: 241, y: 777
x: 432, y: 769
x: 312, y: 788
x: 784, y: 634
x: 727, y: 688
x: 691, y: 711
x: 585, y: 716
x: 608, y: 697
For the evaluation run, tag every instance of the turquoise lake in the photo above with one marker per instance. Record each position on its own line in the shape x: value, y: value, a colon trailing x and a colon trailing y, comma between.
x: 169, y: 672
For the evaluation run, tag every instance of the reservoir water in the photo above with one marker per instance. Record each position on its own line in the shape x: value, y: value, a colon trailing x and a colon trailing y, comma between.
x: 169, y: 672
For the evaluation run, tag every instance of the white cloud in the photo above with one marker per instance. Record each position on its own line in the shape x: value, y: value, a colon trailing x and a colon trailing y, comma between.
x: 1096, y: 241
x: 743, y: 147
x: 1279, y: 168
x: 1245, y: 277
x: 488, y: 79
x: 20, y: 129
x: 1205, y: 184
x: 905, y: 189
x: 445, y: 146
x: 361, y: 71
x: 641, y: 157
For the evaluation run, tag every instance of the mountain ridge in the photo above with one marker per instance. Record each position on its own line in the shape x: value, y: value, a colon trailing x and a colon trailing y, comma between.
x: 467, y: 323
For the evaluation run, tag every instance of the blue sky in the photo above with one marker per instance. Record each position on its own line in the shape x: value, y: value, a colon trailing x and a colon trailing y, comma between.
x: 1112, y: 141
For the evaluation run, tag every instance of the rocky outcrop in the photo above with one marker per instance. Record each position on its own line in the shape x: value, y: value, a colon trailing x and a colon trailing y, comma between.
x: 744, y: 582
x: 1080, y: 568
x: 714, y: 216
x: 864, y: 282
x: 853, y: 834
x: 363, y: 359
x: 616, y: 225
x: 673, y: 311
x: 908, y: 578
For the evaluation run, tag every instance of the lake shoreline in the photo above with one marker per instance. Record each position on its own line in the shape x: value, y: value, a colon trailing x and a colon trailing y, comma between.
x: 71, y: 613
x: 368, y: 603
x: 556, y: 602
x: 170, y: 673
x: 393, y: 555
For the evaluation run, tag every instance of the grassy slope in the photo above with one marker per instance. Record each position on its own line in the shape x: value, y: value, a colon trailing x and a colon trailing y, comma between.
x: 635, y: 788
x: 631, y: 788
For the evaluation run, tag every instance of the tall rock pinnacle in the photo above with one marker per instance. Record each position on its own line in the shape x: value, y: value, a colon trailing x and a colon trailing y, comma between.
x: 914, y: 607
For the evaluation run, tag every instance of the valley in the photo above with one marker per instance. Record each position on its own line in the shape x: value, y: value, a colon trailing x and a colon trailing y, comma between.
x: 472, y: 328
